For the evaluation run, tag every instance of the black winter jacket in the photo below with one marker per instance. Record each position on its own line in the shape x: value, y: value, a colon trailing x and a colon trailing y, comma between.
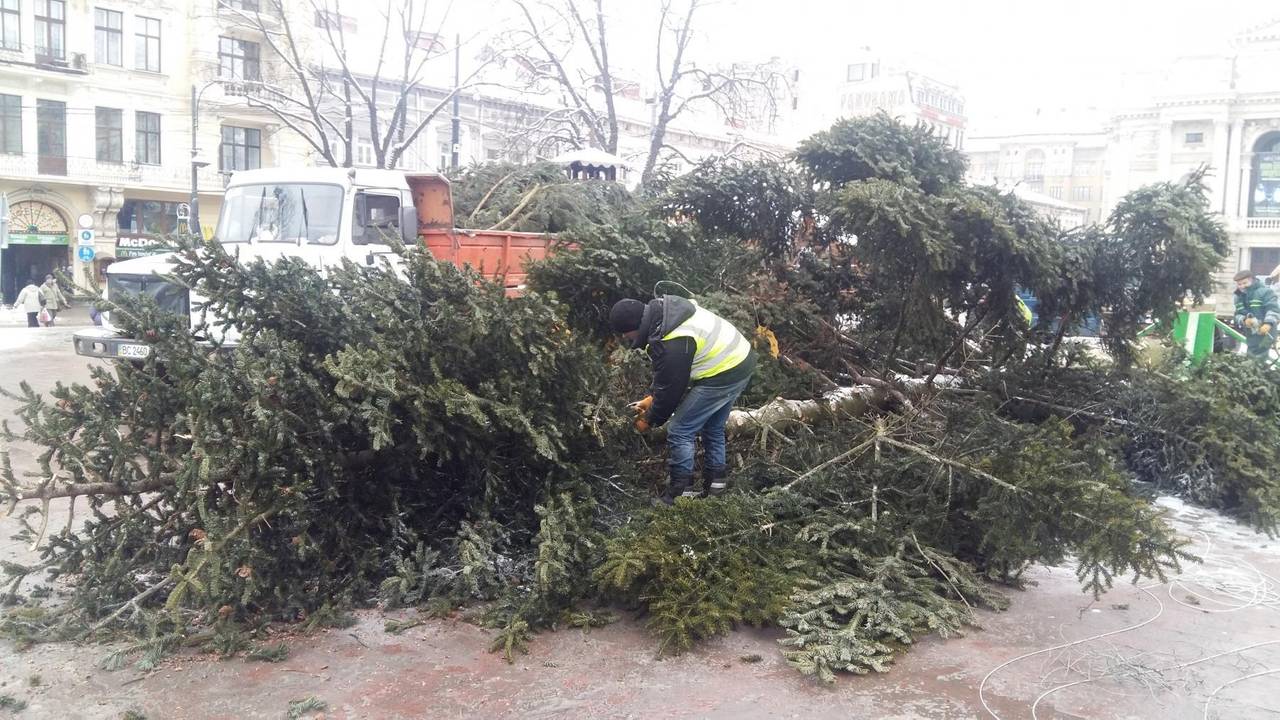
x: 673, y: 359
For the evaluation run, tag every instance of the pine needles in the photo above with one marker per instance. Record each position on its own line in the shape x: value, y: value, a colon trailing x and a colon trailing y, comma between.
x: 279, y: 652
x: 305, y: 706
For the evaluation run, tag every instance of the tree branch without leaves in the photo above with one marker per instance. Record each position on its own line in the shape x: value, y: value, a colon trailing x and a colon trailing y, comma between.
x: 321, y: 94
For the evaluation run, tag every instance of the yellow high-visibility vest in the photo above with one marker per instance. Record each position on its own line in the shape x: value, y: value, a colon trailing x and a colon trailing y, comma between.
x: 1024, y: 310
x: 720, y: 346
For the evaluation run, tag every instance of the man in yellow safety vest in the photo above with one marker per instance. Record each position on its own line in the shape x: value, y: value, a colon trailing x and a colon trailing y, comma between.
x: 701, y: 364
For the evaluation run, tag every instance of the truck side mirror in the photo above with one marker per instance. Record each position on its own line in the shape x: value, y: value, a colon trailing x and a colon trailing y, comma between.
x: 361, y: 214
x: 409, y: 225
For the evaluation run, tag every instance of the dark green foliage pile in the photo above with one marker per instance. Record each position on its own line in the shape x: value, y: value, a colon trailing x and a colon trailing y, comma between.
x: 364, y: 415
x: 414, y: 438
x: 858, y: 559
x: 532, y: 198
x: 880, y: 147
x: 1160, y: 245
x: 760, y: 203
x: 1204, y: 432
x: 1165, y: 244
x: 702, y: 567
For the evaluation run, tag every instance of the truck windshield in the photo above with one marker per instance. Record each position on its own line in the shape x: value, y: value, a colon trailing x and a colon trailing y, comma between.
x: 302, y: 213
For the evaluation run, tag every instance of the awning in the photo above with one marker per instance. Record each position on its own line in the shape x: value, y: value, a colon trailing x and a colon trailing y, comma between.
x: 38, y: 239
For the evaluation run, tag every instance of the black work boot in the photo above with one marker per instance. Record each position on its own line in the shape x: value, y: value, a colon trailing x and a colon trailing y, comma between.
x: 716, y: 479
x: 680, y: 485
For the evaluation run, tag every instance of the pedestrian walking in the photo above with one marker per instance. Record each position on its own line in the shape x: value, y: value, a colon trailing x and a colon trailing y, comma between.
x: 54, y: 300
x: 32, y: 302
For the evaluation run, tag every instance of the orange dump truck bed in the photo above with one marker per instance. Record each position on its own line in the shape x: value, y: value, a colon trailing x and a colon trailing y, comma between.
x: 498, y: 255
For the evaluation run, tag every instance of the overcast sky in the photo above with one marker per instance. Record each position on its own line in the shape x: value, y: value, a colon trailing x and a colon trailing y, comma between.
x: 1008, y: 57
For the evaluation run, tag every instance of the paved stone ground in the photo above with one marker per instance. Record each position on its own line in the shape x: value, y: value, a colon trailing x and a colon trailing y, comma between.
x: 1191, y: 650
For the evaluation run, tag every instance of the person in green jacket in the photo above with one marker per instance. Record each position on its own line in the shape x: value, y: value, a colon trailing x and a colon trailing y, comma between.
x: 1257, y: 313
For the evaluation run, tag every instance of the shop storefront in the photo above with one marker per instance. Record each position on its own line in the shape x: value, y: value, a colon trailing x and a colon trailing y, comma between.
x: 143, y: 225
x: 39, y: 243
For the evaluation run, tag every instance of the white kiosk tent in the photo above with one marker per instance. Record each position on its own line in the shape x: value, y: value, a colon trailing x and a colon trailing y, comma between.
x: 591, y: 164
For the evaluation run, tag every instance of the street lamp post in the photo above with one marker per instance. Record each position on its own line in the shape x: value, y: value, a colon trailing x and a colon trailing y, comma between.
x: 193, y: 217
x: 455, y: 134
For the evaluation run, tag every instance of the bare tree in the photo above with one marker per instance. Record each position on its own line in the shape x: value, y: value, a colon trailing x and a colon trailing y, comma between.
x: 564, y: 45
x: 323, y: 96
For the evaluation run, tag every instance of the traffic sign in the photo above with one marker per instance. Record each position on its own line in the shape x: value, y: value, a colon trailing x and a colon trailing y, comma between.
x: 86, y: 237
x: 85, y: 253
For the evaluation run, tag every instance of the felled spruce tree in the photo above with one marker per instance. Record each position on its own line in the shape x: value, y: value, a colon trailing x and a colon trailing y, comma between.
x: 365, y: 412
x: 415, y: 437
x: 890, y: 264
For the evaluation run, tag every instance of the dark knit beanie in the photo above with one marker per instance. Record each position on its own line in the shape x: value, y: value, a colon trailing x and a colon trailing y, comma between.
x: 625, y: 315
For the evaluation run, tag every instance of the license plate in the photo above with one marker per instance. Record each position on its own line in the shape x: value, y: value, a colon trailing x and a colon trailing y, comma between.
x: 134, y: 351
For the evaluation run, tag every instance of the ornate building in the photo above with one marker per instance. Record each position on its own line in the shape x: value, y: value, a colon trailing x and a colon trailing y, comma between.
x: 1222, y: 111
x: 1064, y: 167
x: 96, y: 120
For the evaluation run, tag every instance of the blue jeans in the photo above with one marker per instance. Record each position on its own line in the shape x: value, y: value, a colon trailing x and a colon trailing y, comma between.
x: 702, y: 413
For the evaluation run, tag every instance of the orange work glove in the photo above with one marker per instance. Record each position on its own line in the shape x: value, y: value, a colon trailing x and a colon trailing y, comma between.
x: 642, y: 406
x: 1264, y: 329
x: 1251, y: 322
x: 641, y: 425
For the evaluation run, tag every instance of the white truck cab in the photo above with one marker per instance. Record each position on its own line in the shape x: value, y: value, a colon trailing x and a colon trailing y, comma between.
x: 319, y: 214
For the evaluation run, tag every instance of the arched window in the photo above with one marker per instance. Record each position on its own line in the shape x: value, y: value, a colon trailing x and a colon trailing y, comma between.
x: 1264, y: 200
x: 31, y: 217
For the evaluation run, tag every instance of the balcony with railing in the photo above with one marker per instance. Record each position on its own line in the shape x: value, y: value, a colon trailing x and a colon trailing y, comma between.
x: 1268, y: 224
x: 23, y: 61
x: 250, y: 14
x: 55, y: 168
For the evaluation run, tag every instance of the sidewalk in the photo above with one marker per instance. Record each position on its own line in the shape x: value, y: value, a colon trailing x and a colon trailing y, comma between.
x: 75, y: 316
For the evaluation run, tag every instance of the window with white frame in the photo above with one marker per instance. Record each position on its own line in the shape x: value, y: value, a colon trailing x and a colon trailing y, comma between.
x: 364, y: 153
x: 108, y: 37
x: 110, y: 134
x: 241, y: 149
x: 51, y: 29
x: 11, y: 124
x: 146, y: 48
x: 10, y: 24
x: 147, y: 138
x: 238, y: 59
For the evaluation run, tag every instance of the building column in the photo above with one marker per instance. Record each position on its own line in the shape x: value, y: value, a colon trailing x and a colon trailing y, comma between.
x: 1237, y: 172
x: 1116, y: 159
x: 106, y: 206
x: 1220, y: 166
x: 1164, y: 152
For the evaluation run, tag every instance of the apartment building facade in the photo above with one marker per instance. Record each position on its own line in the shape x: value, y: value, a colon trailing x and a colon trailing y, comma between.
x: 96, y: 125
x: 1220, y: 111
x: 1067, y: 168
